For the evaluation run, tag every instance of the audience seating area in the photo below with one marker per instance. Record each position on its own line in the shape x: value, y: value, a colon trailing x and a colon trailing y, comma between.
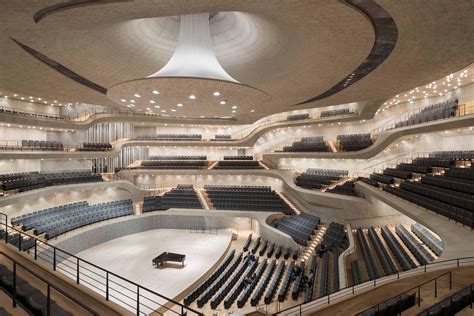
x: 41, y: 145
x: 379, y: 246
x: 21, y: 182
x: 238, y: 164
x: 96, y: 146
x: 247, y: 279
x: 300, y: 227
x: 183, y: 137
x: 433, y: 242
x: 307, y: 144
x: 298, y: 117
x: 433, y: 112
x: 319, y: 178
x: 61, y: 219
x: 392, y: 307
x: 173, y: 164
x: 336, y: 112
x: 346, y: 188
x: 446, y: 185
x: 247, y: 198
x: 453, y: 304
x: 29, y: 295
x: 220, y: 137
x: 177, y: 158
x: 238, y: 157
x: 183, y: 196
x: 354, y: 142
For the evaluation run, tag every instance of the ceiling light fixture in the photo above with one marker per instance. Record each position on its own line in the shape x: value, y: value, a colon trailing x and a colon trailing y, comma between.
x: 216, y: 93
x: 155, y: 92
x: 192, y: 97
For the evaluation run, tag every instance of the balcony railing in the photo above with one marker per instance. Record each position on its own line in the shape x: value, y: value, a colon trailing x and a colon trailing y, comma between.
x: 113, y: 287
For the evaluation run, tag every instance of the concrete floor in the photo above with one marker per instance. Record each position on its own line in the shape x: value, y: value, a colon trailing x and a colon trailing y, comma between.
x: 131, y: 257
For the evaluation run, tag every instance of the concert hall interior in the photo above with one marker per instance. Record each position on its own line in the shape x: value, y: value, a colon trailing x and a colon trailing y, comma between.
x: 223, y: 157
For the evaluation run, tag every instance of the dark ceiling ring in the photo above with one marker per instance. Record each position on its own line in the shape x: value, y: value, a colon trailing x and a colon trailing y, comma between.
x: 386, y: 35
x: 61, y: 69
x: 41, y: 14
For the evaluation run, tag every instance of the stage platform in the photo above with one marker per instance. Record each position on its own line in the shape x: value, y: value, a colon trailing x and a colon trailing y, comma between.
x: 131, y: 257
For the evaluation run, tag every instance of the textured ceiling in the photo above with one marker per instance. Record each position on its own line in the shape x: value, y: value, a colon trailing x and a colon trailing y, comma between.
x: 292, y: 50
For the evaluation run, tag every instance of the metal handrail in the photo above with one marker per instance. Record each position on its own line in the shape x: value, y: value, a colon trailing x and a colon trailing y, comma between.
x: 185, y: 310
x: 418, y: 288
x: 49, y: 286
x: 351, y: 290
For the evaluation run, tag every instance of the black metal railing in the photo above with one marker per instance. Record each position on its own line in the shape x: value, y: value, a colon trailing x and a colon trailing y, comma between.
x: 348, y: 291
x: 417, y: 292
x: 49, y: 289
x: 111, y: 286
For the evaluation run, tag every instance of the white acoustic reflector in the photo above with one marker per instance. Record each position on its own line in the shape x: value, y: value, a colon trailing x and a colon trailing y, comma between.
x: 194, y: 55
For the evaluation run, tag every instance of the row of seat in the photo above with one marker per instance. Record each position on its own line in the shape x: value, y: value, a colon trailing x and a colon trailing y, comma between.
x: 238, y: 157
x: 300, y: 227
x: 433, y: 112
x: 336, y: 112
x: 298, y: 117
x: 452, y: 304
x: 169, y: 164
x: 346, y: 188
x: 222, y: 137
x: 179, y: 157
x: 183, y: 196
x: 238, y: 164
x: 318, y: 178
x: 169, y: 137
x: 450, y: 211
x: 191, y: 297
x: 421, y: 254
x: 222, y: 292
x: 35, y: 180
x: 218, y: 283
x: 454, y: 154
x: 251, y: 199
x: 307, y: 144
x: 354, y: 142
x: 433, y: 242
x: 30, y: 297
x: 96, y: 146
x: 382, y: 253
x: 391, y: 307
x: 58, y: 220
x: 41, y: 145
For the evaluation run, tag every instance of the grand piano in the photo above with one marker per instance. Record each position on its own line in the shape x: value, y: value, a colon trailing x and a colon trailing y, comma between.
x: 168, y: 256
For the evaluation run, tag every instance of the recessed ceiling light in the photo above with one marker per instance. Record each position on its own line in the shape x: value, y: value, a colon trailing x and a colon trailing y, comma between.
x: 251, y: 111
x: 152, y: 102
x: 133, y: 101
x: 234, y: 111
x: 216, y: 93
x: 137, y: 95
x: 15, y: 95
x: 179, y: 104
x: 155, y: 92
x: 192, y: 97
x: 234, y: 107
x: 22, y: 98
x: 122, y: 100
x: 163, y: 111
x: 173, y: 110
x: 148, y: 109
x: 157, y: 106
x: 131, y: 105
x: 222, y: 102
